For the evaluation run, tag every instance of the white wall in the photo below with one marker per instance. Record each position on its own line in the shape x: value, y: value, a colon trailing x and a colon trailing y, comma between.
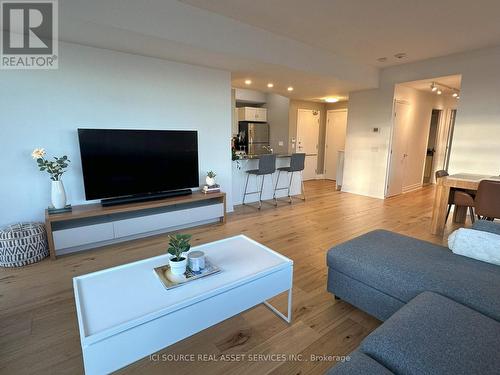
x: 103, y: 89
x: 250, y: 96
x: 366, y: 151
x: 278, y: 108
x: 476, y: 143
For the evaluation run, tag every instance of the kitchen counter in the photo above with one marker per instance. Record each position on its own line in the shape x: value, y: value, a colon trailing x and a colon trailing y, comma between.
x: 248, y: 157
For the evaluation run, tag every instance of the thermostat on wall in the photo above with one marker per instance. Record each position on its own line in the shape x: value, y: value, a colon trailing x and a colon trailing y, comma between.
x: 376, y: 130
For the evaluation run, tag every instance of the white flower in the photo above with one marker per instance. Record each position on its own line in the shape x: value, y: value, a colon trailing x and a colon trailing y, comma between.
x: 38, y: 153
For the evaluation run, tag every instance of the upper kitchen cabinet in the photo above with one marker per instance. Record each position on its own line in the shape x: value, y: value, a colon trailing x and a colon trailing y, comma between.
x: 252, y: 114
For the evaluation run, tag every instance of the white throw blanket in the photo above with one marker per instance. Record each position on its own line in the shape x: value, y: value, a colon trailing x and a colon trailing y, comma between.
x: 476, y: 244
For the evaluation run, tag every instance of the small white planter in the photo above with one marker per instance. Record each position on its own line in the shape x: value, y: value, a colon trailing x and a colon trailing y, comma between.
x: 58, y: 195
x: 210, y: 181
x: 178, y: 268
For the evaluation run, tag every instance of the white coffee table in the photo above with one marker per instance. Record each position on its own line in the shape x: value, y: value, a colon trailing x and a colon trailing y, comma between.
x: 125, y: 313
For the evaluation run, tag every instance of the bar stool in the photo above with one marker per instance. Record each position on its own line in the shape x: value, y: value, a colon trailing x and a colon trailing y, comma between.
x: 267, y: 166
x: 297, y: 162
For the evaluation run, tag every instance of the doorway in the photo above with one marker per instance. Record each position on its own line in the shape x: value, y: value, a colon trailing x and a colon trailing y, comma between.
x: 431, y: 145
x: 308, y: 122
x: 336, y: 124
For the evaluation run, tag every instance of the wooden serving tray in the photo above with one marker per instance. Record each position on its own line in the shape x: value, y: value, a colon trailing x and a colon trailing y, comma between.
x: 163, y: 273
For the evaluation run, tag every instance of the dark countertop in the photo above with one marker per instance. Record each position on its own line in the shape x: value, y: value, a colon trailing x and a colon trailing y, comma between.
x: 250, y: 157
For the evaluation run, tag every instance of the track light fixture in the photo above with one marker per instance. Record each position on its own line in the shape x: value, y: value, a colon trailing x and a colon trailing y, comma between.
x: 440, y: 88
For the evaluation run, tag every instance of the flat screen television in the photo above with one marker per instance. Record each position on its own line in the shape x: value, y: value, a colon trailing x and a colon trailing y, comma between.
x: 128, y: 163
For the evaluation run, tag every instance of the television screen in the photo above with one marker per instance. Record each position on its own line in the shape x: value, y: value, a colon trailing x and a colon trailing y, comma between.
x: 120, y: 163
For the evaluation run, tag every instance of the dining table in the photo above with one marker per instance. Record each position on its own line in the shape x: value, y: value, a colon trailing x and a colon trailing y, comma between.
x: 464, y: 181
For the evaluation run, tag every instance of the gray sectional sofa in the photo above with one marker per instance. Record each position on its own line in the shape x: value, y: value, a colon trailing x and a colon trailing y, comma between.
x: 441, y: 310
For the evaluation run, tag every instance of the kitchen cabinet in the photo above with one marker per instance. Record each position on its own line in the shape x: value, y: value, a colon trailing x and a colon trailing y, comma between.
x: 252, y: 114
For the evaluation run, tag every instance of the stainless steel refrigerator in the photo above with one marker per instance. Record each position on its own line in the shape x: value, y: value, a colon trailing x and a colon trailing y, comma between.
x: 255, y: 137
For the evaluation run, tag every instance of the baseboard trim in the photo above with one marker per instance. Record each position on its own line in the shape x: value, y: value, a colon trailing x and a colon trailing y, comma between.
x: 409, y: 188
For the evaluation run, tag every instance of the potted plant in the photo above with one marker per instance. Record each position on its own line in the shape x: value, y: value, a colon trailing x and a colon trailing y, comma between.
x: 55, y: 169
x: 236, y: 157
x: 178, y: 245
x: 210, y: 179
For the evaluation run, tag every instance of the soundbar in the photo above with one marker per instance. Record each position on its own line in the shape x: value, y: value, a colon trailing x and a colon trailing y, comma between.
x: 144, y: 197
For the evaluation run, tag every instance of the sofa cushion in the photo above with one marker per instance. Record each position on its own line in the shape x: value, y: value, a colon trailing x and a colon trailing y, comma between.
x: 403, y: 267
x: 487, y: 226
x: 359, y: 364
x: 435, y: 335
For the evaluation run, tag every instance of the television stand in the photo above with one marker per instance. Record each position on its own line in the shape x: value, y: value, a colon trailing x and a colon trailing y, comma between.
x: 92, y: 225
x: 144, y: 197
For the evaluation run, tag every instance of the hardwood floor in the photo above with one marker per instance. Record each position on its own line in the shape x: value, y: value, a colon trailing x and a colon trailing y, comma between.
x: 38, y: 328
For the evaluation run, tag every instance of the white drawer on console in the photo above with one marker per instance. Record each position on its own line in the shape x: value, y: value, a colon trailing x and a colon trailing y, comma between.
x: 164, y: 220
x: 206, y: 212
x: 66, y: 238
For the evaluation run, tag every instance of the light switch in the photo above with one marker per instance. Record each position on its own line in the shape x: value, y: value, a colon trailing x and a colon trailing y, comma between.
x: 280, y: 143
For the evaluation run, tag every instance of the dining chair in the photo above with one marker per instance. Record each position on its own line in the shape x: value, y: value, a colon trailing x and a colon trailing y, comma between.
x: 459, y: 198
x: 487, y: 200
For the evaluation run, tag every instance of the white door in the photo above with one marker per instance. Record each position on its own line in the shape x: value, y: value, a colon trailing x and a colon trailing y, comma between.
x: 336, y: 124
x: 398, y: 153
x: 307, y: 140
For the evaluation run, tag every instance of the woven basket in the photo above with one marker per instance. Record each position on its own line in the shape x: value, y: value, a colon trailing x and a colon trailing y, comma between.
x: 22, y: 244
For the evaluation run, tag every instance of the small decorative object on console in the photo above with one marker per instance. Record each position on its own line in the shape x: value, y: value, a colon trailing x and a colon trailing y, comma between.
x: 178, y: 245
x: 210, y: 179
x: 211, y: 189
x: 55, y: 169
x: 52, y: 210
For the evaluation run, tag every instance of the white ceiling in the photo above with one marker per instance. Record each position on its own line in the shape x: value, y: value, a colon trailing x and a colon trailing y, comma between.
x: 169, y: 29
x: 365, y: 30
x: 321, y: 48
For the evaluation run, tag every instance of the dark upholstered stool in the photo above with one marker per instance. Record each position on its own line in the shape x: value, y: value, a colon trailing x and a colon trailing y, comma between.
x: 267, y: 166
x: 297, y: 162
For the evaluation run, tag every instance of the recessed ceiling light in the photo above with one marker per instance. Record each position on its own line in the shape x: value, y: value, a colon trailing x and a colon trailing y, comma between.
x: 382, y: 59
x: 439, y: 92
x: 401, y: 55
x: 270, y: 85
x: 455, y: 95
x: 433, y: 87
x: 290, y: 88
x: 248, y: 81
x: 458, y: 97
x: 331, y: 100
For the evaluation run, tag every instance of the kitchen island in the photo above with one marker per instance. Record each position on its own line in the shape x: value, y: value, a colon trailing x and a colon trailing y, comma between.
x: 252, y: 162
